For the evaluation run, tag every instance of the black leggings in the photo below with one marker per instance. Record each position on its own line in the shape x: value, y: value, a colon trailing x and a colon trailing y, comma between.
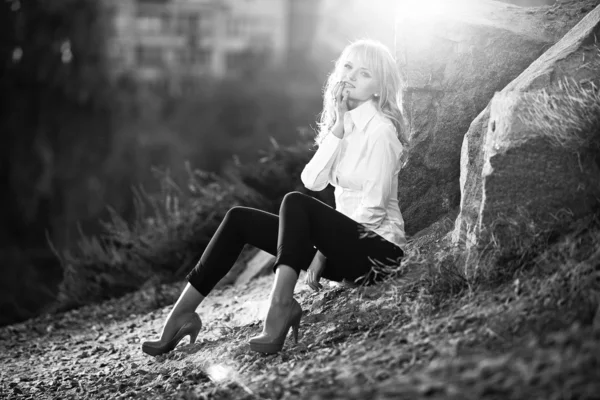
x: 304, y: 225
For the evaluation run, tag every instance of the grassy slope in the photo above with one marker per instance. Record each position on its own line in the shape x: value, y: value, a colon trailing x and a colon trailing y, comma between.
x: 535, y: 333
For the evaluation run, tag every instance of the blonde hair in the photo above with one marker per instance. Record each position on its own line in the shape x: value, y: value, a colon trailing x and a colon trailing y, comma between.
x: 379, y: 60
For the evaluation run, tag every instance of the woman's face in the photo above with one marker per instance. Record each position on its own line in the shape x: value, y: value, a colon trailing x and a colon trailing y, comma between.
x: 359, y: 82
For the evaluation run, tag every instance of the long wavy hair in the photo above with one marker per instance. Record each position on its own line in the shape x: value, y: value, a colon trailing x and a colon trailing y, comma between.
x: 379, y: 60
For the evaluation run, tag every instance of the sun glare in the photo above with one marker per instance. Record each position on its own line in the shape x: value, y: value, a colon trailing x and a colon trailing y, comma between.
x: 427, y: 10
x: 419, y: 21
x: 220, y: 373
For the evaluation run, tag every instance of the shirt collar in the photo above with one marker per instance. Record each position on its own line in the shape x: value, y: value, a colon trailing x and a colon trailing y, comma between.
x: 362, y: 114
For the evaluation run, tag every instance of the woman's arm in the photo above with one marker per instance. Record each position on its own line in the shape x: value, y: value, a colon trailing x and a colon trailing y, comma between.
x: 381, y: 164
x: 315, y: 270
x: 315, y: 175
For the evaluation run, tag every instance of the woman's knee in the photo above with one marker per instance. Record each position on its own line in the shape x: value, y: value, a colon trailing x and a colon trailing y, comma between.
x: 292, y: 199
x: 237, y: 214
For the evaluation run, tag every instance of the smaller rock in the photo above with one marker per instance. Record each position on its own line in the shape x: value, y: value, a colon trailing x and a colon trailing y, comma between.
x: 257, y: 266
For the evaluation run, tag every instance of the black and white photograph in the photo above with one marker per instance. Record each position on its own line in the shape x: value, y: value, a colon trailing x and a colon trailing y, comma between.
x: 300, y: 199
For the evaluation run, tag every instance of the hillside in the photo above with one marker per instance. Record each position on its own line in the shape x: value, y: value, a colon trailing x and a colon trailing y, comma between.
x: 532, y: 333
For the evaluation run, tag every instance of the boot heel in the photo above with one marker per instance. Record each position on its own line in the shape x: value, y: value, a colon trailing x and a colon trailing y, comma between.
x: 194, y: 335
x: 295, y: 328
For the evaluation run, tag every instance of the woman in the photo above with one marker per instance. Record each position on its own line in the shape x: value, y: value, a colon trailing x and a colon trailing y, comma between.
x: 362, y: 140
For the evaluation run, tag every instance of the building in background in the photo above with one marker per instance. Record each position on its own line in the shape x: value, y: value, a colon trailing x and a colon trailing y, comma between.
x: 155, y: 40
x: 170, y: 39
x: 343, y: 21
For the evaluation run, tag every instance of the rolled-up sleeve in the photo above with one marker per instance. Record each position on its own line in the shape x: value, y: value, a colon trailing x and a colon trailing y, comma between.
x: 381, y: 164
x: 315, y: 175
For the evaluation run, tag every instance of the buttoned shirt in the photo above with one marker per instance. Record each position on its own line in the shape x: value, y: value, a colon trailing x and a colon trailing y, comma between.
x: 363, y: 167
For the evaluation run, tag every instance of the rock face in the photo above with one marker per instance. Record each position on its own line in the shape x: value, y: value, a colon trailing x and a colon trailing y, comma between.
x: 532, y: 172
x: 533, y: 152
x: 453, y: 66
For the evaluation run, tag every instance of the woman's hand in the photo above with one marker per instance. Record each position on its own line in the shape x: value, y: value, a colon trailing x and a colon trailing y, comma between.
x: 340, y: 102
x: 314, y: 272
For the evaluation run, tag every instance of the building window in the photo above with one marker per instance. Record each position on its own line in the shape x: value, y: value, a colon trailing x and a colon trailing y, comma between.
x: 187, y: 24
x: 205, y: 25
x: 242, y: 60
x: 202, y: 57
x: 234, y: 27
x: 114, y: 49
x: 149, y: 56
x: 149, y: 25
x: 261, y: 41
x: 166, y: 21
x: 195, y: 57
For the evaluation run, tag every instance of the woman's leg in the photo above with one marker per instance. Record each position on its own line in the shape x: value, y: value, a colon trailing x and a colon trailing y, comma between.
x: 306, y: 223
x: 281, y: 300
x: 240, y: 226
x: 188, y: 301
x: 350, y: 249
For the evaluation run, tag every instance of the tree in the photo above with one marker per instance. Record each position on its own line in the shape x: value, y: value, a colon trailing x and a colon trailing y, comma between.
x: 54, y: 125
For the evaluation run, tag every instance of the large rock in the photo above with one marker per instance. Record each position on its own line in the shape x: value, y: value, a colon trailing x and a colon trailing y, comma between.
x: 453, y: 67
x: 537, y: 176
x: 532, y: 153
x: 471, y: 164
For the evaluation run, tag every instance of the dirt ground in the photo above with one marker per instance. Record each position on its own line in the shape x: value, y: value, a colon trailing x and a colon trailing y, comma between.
x: 355, y: 343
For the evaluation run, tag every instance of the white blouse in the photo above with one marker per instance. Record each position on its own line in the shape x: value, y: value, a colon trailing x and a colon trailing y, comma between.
x: 363, y: 167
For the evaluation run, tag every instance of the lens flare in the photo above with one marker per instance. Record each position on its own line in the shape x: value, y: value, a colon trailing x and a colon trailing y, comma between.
x: 426, y: 10
x: 220, y: 373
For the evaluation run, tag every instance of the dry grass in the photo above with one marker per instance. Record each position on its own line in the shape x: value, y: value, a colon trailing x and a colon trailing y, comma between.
x: 171, y: 227
x: 164, y: 239
x: 568, y: 114
x: 512, y: 243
